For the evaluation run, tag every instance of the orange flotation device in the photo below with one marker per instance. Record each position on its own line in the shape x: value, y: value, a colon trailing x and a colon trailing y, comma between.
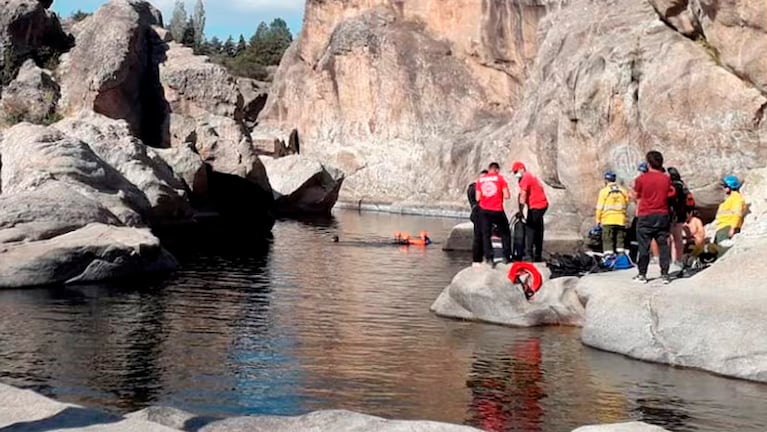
x: 526, y: 275
x: 405, y: 239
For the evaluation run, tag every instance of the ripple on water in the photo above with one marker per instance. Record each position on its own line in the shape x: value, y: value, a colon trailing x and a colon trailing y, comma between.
x: 302, y: 323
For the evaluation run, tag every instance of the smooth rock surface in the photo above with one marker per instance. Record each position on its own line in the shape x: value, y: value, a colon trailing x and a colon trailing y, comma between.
x: 93, y: 253
x: 329, y: 421
x: 35, y: 155
x: 622, y: 427
x: 302, y: 185
x: 142, y: 166
x: 24, y: 411
x: 484, y: 294
x: 461, y: 236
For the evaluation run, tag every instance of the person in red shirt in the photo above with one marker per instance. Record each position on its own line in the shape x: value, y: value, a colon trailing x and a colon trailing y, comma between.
x: 653, y: 189
x: 492, y: 190
x: 532, y: 195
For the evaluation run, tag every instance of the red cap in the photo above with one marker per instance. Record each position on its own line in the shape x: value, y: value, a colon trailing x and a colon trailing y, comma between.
x: 516, y: 166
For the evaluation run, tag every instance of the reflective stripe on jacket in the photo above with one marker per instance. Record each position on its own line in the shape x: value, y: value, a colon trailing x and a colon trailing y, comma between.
x: 612, y: 205
x: 731, y: 211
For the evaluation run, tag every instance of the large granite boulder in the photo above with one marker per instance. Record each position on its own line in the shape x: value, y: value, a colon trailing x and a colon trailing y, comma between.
x: 318, y: 421
x: 67, y: 216
x: 31, y: 97
x: 24, y: 410
x: 28, y: 30
x: 188, y: 166
x: 208, y: 113
x: 142, y: 166
x: 461, y: 237
x: 52, y: 209
x: 93, y: 253
x: 113, y: 69
x: 254, y: 95
x: 622, y: 427
x: 302, y: 185
x: 485, y: 294
x: 36, y: 155
x: 711, y: 321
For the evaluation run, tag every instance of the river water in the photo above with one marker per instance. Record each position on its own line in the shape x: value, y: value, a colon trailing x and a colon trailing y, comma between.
x: 301, y: 323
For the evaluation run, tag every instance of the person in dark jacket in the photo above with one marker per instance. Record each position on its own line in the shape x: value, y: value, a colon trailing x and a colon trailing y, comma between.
x: 476, y: 245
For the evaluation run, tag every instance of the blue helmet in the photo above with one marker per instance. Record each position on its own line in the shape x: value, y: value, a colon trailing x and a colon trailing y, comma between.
x: 643, y: 167
x: 595, y: 232
x: 731, y: 182
x: 610, y: 176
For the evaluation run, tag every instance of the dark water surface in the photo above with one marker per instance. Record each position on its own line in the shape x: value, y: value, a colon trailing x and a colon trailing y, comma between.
x: 302, y: 324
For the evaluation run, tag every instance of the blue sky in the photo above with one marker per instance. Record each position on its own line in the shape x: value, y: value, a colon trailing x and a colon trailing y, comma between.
x: 224, y: 17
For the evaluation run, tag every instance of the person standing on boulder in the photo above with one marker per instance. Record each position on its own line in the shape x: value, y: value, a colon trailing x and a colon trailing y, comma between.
x: 729, y: 215
x: 612, y: 206
x: 653, y: 190
x: 532, y: 195
x: 477, y: 252
x: 492, y: 189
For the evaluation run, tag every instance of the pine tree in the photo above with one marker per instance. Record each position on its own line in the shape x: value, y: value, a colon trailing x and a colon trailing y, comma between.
x: 241, y: 46
x: 229, y: 48
x: 199, y: 24
x: 178, y: 21
x: 215, y: 46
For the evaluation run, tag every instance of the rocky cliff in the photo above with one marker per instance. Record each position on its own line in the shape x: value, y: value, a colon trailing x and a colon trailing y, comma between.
x: 412, y: 98
x: 393, y: 92
x: 108, y: 133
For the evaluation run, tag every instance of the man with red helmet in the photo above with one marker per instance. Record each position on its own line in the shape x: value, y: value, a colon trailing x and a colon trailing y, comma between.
x: 492, y: 190
x: 532, y: 195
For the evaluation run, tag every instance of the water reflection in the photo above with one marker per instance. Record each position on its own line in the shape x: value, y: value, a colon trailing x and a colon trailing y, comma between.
x: 506, y: 389
x: 301, y: 323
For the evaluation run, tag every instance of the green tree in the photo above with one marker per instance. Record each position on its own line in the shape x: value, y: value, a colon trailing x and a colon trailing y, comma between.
x: 215, y: 46
x: 178, y: 23
x: 188, y: 38
x: 199, y: 24
x: 241, y: 46
x: 79, y: 15
x: 229, y: 48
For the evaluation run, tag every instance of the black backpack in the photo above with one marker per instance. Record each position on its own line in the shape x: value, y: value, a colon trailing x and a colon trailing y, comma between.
x: 518, y: 238
x: 680, y: 203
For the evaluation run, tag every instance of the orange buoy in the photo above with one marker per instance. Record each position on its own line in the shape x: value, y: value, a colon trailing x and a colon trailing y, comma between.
x: 528, y: 276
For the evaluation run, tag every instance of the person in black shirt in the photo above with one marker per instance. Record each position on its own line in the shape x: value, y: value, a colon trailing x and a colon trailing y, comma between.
x: 476, y: 245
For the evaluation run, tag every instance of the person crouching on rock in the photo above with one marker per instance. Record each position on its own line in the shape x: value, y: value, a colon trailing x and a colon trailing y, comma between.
x: 532, y: 195
x: 477, y: 252
x: 652, y: 191
x: 612, y: 206
x: 729, y: 216
x: 492, y: 189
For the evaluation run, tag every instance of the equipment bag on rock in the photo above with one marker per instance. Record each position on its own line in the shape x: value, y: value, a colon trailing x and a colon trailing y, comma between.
x: 518, y: 229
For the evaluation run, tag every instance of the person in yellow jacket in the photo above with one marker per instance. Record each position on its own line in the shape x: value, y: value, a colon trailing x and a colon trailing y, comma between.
x: 612, y: 207
x: 729, y: 216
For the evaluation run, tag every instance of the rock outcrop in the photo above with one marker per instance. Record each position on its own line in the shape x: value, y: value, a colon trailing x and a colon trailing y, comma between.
x: 485, y: 294
x: 28, y: 30
x: 93, y: 253
x: 208, y: 113
x: 711, y: 321
x: 32, y: 96
x: 70, y: 217
x: 254, y: 95
x: 142, y: 166
x: 622, y: 427
x: 114, y: 69
x: 302, y: 185
x: 397, y: 88
x: 574, y: 88
x: 461, y: 236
